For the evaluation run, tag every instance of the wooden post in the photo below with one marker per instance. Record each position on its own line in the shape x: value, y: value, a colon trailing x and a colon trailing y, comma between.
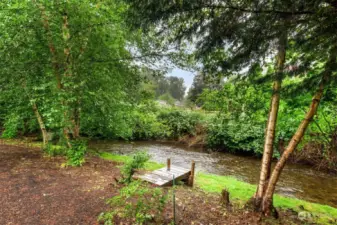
x: 191, y: 177
x: 168, y: 164
x: 225, y: 198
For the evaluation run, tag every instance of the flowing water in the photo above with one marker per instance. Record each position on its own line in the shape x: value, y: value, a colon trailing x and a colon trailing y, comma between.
x: 296, y: 180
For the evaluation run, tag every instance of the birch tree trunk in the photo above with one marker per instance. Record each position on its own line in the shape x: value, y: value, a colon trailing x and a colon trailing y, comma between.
x: 272, y: 120
x: 267, y: 203
x: 55, y: 61
x: 41, y: 125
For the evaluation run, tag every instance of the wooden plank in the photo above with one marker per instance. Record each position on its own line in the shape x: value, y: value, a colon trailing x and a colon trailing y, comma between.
x: 164, y: 177
x: 176, y: 169
x: 154, y: 179
x: 170, y: 176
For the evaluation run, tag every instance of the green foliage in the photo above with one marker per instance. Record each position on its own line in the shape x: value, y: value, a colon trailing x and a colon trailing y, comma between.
x: 239, y: 134
x: 11, y: 126
x: 180, y: 122
x: 171, y: 86
x: 148, y: 121
x: 199, y: 85
x: 237, y: 50
x: 146, y: 125
x: 211, y: 100
x: 54, y: 150
x: 137, y: 161
x: 75, y: 155
x: 137, y: 202
x: 85, y: 82
x: 166, y: 97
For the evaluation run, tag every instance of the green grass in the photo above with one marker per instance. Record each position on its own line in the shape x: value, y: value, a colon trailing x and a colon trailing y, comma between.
x: 19, y: 142
x: 114, y: 157
x: 56, y: 149
x: 123, y: 158
x: 240, y: 192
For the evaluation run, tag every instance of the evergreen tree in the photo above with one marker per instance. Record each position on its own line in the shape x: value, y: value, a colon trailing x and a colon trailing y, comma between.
x: 196, y: 89
x: 172, y: 85
x: 200, y: 82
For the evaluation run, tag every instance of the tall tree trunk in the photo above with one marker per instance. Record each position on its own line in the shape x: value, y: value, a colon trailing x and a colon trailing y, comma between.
x: 41, y: 125
x: 272, y: 119
x: 267, y: 204
x: 51, y: 46
x: 333, y: 142
x: 55, y: 61
x: 67, y: 74
x: 76, y: 121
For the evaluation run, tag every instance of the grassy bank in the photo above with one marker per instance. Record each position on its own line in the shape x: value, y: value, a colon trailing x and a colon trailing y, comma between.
x: 240, y: 191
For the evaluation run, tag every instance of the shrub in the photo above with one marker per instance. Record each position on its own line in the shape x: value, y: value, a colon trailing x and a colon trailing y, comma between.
x: 180, y: 122
x: 54, y: 150
x: 167, y: 98
x: 137, y: 161
x: 147, y: 127
x: 11, y: 126
x: 75, y: 155
x: 137, y: 202
x: 239, y: 134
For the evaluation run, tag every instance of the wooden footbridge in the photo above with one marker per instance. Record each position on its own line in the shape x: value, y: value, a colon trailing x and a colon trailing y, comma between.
x: 165, y: 176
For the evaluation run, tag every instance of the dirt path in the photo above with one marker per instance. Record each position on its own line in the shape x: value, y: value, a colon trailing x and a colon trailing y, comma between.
x: 35, y: 190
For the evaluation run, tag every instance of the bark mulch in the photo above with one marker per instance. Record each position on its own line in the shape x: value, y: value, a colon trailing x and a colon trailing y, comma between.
x: 35, y: 189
